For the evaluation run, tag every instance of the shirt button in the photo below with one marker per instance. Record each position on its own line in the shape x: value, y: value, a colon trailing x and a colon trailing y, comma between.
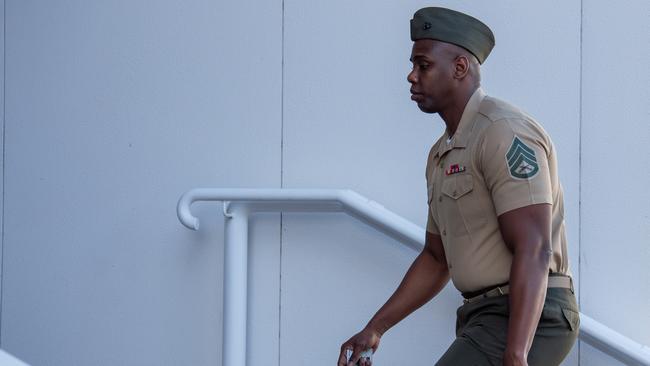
x: 444, y: 232
x: 440, y: 199
x: 455, y: 193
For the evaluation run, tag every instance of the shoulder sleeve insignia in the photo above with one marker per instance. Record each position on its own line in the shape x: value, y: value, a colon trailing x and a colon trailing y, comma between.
x: 521, y: 160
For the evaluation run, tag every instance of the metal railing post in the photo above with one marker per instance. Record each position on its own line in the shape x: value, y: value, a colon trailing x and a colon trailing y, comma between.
x: 235, y: 301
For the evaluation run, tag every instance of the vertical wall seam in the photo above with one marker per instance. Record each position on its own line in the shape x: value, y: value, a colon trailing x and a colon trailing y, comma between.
x: 580, y: 86
x: 282, y: 102
x: 4, y: 93
x: 280, y: 297
x: 281, y: 182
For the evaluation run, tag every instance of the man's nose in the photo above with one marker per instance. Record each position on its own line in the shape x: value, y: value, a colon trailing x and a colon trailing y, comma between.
x: 411, y: 77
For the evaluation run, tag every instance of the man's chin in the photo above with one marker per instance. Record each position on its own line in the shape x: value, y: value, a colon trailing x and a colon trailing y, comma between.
x: 426, y: 109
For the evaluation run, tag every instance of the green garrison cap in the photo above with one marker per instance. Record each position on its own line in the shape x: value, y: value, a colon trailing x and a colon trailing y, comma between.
x: 453, y: 27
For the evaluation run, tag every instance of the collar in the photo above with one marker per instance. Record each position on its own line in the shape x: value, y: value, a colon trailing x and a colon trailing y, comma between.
x: 465, y: 125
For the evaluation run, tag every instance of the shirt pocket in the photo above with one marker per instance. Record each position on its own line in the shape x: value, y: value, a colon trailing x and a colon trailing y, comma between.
x: 461, y: 209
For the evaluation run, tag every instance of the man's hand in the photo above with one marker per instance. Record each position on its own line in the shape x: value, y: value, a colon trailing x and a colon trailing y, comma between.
x: 425, y: 278
x: 366, y: 339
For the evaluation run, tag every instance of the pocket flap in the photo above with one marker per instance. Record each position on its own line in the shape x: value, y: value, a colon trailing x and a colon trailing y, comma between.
x: 572, y: 317
x: 457, y: 186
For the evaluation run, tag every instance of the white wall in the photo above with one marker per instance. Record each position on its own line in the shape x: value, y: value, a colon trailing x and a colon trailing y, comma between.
x: 114, y: 109
x: 615, y: 169
x: 2, y: 163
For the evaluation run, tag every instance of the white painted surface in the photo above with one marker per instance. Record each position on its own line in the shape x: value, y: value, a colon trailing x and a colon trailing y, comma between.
x: 615, y: 169
x: 8, y: 360
x: 2, y: 161
x: 113, y: 109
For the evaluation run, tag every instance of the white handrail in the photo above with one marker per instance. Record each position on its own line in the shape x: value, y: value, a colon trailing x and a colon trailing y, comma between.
x: 317, y: 200
x: 613, y: 343
x: 349, y: 201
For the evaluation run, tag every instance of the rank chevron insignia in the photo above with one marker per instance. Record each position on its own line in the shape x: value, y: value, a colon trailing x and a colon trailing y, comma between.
x: 521, y: 160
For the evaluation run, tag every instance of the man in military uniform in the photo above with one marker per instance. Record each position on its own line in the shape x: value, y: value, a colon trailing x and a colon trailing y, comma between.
x: 495, y: 224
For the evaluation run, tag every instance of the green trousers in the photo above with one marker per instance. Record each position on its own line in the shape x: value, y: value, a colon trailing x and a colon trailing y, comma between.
x: 482, y: 325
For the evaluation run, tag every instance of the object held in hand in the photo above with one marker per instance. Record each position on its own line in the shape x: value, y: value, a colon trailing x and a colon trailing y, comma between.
x: 365, y: 354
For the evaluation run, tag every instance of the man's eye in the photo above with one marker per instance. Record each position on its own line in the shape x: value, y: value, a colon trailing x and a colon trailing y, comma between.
x: 423, y: 66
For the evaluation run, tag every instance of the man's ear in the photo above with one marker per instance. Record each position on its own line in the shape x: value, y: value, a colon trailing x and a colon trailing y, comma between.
x: 461, y: 67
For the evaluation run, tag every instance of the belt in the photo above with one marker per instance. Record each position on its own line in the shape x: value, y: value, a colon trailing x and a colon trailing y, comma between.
x: 553, y: 281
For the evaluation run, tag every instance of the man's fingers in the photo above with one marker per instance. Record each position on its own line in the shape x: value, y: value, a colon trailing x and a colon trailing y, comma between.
x: 343, y: 361
x: 356, y: 354
x: 365, y: 356
x: 343, y: 357
x: 361, y: 354
x: 353, y: 353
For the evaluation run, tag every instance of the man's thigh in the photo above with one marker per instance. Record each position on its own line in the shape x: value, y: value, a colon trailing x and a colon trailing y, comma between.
x: 484, y: 346
x: 483, y: 327
x: 463, y: 352
x: 557, y: 330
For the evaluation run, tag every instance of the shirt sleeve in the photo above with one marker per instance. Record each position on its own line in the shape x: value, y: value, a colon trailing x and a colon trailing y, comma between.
x: 513, y: 157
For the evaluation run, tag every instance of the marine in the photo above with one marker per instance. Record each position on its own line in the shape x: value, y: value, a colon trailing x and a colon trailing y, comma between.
x: 495, y: 224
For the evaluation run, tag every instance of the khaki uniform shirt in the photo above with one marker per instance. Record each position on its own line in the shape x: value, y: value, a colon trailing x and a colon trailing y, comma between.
x: 499, y: 159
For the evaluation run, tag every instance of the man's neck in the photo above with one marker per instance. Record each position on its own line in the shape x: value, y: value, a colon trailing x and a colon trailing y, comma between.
x: 452, y: 114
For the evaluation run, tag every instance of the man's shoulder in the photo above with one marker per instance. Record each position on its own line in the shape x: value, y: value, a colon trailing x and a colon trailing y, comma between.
x: 501, y: 118
x: 495, y: 109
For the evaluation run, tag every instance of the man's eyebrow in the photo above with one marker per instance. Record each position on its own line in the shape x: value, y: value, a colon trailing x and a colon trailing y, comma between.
x: 417, y: 57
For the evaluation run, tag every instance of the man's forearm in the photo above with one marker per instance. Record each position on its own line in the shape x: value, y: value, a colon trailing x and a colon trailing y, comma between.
x: 528, y: 280
x: 424, y: 279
